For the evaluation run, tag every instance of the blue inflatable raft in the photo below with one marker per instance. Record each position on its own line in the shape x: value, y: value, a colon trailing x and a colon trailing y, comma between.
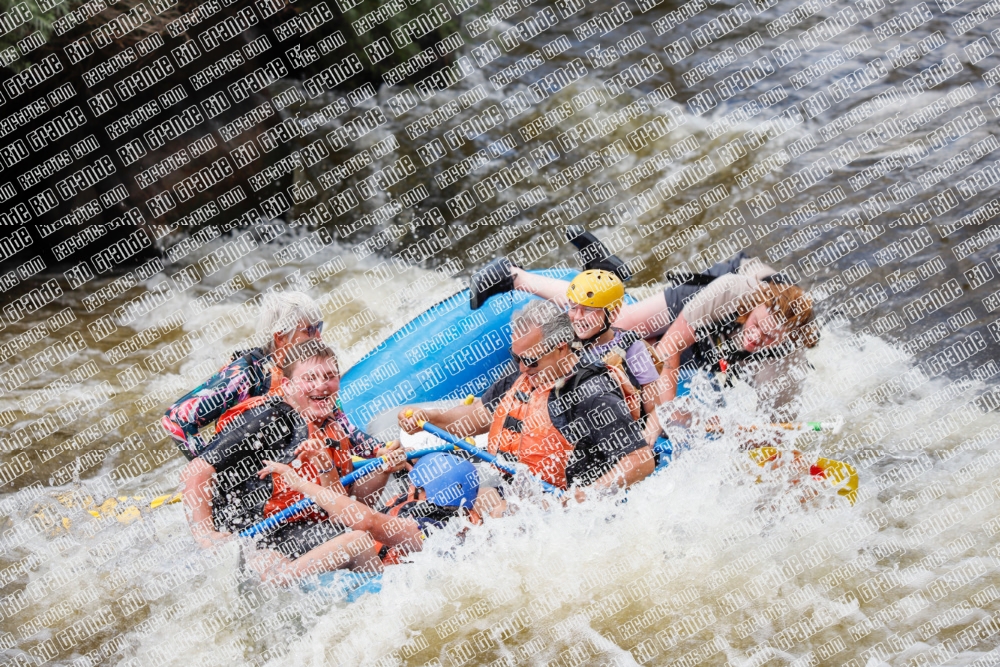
x: 444, y: 354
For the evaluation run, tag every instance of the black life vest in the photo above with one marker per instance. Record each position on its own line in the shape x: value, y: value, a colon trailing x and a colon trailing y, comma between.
x: 724, y: 341
x: 720, y: 340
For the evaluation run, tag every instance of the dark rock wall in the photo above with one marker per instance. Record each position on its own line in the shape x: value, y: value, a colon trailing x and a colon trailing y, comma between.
x: 145, y: 119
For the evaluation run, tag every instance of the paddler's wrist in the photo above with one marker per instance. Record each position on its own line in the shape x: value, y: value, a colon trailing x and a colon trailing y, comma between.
x: 302, y: 486
x: 382, y: 448
x: 431, y: 415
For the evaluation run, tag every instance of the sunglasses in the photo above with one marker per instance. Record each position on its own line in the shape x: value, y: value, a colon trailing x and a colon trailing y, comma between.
x: 314, y: 329
x: 528, y: 361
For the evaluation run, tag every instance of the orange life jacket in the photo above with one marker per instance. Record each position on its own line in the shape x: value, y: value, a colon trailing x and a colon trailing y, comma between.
x: 283, y: 496
x: 536, y: 442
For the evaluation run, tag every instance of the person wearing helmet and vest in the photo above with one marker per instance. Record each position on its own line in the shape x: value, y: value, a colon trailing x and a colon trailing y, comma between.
x: 441, y: 486
x: 595, y: 299
x: 562, y: 416
x: 739, y: 316
x: 303, y: 426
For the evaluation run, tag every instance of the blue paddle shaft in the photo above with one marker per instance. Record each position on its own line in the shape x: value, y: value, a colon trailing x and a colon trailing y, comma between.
x: 276, y: 520
x: 367, y: 466
x: 361, y: 470
x: 484, y: 455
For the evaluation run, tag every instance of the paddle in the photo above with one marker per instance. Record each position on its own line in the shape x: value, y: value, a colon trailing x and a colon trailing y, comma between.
x: 125, y: 512
x: 123, y: 509
x: 277, y: 519
x: 479, y: 453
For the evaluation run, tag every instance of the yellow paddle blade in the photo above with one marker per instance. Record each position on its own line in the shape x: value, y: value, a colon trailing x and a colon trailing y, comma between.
x: 168, y: 499
x: 128, y: 515
x: 763, y: 455
x: 842, y: 476
x: 123, y: 509
x: 107, y: 507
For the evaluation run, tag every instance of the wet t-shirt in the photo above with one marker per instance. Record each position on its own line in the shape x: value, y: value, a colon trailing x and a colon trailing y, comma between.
x: 724, y: 295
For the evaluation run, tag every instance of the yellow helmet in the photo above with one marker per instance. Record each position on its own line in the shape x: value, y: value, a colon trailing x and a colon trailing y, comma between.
x: 596, y: 289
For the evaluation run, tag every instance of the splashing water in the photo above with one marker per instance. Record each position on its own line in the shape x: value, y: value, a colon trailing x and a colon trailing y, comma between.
x: 711, y: 560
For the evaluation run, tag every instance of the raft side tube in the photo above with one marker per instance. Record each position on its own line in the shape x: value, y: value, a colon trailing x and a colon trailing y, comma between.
x: 447, y: 352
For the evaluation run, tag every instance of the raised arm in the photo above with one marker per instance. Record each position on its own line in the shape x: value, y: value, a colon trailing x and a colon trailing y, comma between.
x: 552, y: 289
x: 679, y: 337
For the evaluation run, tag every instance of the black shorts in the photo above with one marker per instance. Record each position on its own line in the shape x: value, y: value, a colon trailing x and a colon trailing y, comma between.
x: 677, y: 296
x: 295, y: 538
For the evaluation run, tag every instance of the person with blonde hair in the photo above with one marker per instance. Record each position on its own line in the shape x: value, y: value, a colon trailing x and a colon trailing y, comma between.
x: 286, y: 319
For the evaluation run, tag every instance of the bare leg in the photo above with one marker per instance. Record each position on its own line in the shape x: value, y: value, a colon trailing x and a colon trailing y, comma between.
x: 649, y: 317
x: 547, y: 288
x: 355, y: 551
